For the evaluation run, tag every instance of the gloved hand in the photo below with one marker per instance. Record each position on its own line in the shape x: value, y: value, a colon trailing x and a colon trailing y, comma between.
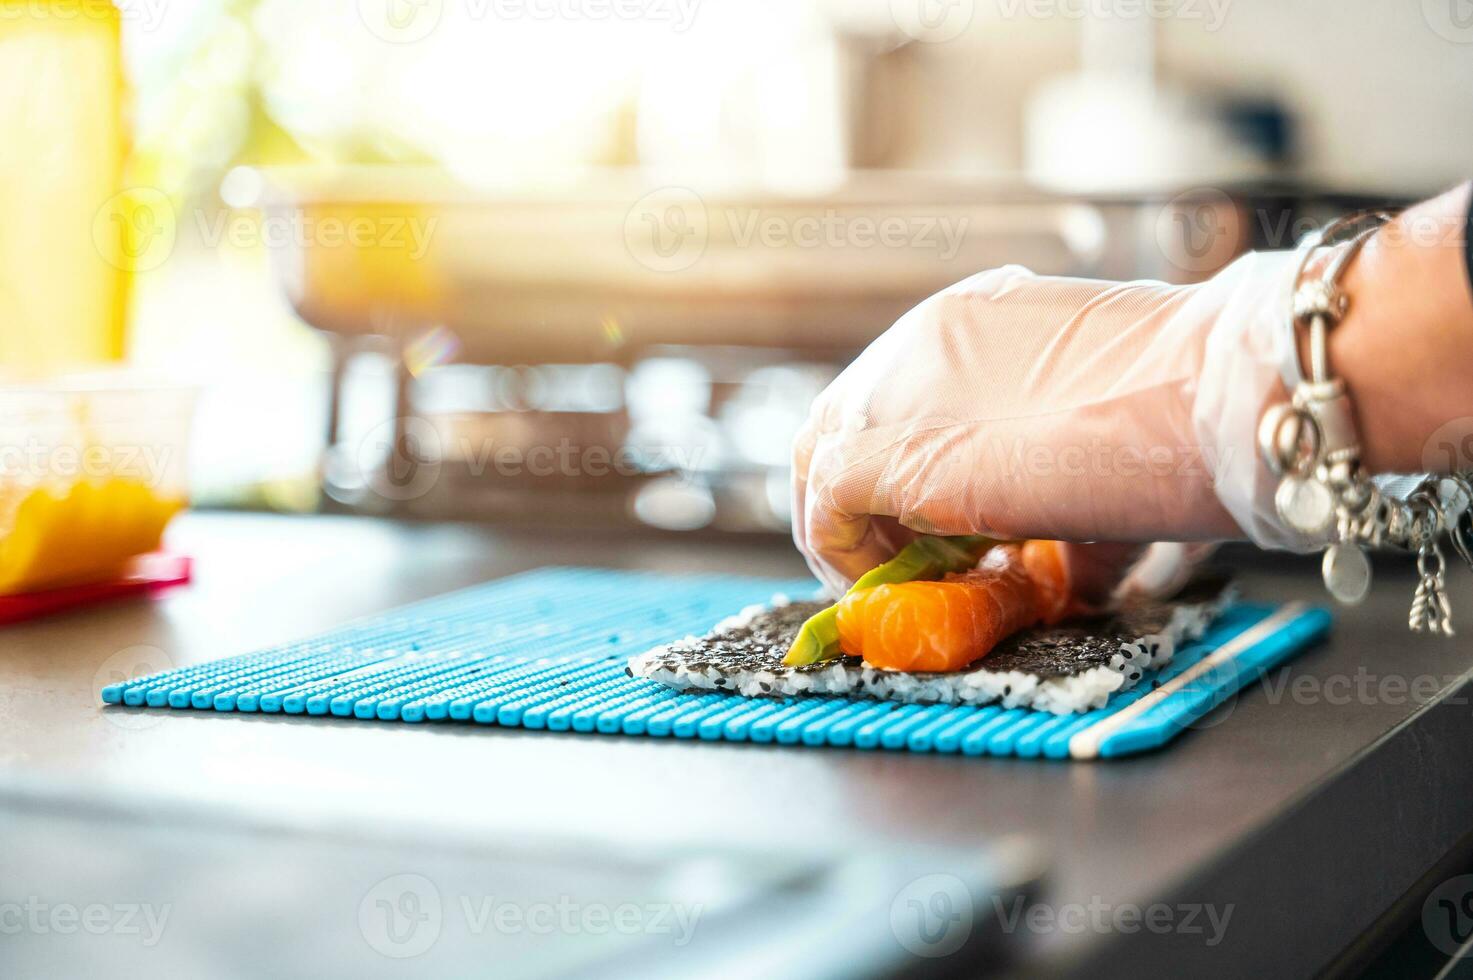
x: 1023, y: 406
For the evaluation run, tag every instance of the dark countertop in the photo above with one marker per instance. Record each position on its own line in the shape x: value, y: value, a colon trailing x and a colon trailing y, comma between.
x: 1309, y: 805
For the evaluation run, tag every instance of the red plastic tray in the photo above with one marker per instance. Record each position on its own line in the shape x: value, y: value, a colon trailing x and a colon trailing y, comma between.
x: 148, y: 574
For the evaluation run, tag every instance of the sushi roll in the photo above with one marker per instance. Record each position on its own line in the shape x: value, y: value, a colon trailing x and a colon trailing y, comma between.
x: 1071, y: 666
x: 947, y: 624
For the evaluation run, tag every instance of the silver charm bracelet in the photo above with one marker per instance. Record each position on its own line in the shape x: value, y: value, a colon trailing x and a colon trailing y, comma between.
x: 1311, y: 444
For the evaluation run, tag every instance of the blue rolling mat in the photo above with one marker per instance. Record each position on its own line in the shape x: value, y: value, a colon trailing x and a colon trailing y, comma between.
x: 547, y: 650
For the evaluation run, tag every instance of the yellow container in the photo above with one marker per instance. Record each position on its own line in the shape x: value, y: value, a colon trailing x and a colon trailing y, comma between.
x: 70, y: 238
x: 91, y: 471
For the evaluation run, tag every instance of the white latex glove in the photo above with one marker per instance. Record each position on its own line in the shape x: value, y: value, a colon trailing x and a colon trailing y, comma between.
x: 1023, y: 406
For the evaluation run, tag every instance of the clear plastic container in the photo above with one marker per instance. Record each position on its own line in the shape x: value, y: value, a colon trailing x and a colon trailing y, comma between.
x: 92, y: 469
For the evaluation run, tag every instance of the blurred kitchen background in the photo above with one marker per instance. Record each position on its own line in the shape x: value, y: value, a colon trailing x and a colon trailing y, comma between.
x: 588, y: 261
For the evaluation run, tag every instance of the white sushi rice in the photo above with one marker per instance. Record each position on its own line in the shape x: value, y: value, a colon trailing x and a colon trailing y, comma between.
x: 1060, y: 695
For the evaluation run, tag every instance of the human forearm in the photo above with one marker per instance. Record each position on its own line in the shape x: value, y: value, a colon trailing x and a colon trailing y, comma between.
x: 1405, y: 347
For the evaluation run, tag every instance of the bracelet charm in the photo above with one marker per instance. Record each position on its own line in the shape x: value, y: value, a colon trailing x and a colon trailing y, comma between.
x: 1347, y: 572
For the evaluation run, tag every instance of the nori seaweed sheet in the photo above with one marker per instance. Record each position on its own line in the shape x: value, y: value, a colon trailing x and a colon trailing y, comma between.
x: 1058, y: 651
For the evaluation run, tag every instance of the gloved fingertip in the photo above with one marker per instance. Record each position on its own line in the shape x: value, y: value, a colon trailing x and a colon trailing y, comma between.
x: 839, y: 556
x: 1162, y: 569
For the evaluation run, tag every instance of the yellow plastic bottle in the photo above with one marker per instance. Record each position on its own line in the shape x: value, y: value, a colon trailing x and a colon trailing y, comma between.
x: 65, y: 239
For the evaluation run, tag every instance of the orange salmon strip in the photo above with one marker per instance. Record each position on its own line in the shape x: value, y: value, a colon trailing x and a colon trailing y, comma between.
x: 946, y: 625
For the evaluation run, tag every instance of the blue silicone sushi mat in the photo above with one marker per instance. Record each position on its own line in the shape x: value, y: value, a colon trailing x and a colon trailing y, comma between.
x: 547, y: 649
